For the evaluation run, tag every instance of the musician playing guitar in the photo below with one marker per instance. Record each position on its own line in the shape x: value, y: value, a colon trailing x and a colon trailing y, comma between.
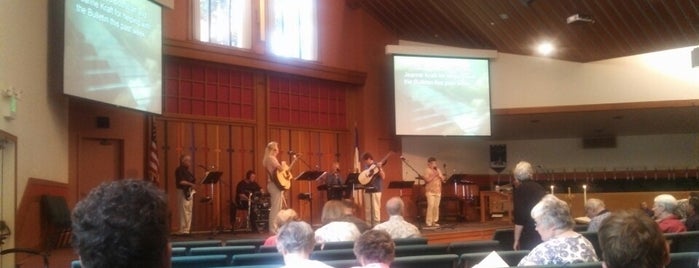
x: 272, y: 166
x: 372, y: 195
x: 185, y: 181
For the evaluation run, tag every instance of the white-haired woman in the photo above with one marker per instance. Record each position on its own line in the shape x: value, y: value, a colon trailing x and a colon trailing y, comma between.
x: 526, y: 194
x: 562, y: 245
x: 663, y: 211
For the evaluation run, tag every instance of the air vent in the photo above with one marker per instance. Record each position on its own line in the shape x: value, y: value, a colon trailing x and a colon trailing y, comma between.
x: 599, y: 142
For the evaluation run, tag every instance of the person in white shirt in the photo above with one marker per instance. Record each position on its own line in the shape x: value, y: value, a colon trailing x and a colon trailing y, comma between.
x: 295, y: 241
x: 375, y: 249
x: 597, y: 212
x: 396, y: 226
x: 335, y: 227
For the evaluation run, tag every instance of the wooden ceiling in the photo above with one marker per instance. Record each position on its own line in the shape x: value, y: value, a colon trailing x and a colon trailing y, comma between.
x: 620, y: 28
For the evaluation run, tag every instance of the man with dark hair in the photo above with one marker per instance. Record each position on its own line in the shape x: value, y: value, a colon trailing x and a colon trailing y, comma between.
x: 375, y: 248
x: 122, y: 224
x: 295, y: 241
x: 372, y: 194
x: 632, y: 239
x: 243, y: 196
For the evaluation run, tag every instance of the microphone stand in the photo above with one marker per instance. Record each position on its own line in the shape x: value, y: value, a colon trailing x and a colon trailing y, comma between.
x: 419, y: 176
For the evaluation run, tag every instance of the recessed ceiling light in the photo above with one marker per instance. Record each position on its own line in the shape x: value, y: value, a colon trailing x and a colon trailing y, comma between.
x: 545, y: 48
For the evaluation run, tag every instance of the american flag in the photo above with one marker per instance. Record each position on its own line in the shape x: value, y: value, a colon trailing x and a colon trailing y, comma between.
x: 153, y: 163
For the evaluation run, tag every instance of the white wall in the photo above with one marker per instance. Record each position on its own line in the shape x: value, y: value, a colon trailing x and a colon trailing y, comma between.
x: 525, y: 81
x: 472, y: 155
x: 41, y: 125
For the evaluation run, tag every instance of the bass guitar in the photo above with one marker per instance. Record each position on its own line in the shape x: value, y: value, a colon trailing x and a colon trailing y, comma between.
x: 366, y: 175
x: 283, y: 177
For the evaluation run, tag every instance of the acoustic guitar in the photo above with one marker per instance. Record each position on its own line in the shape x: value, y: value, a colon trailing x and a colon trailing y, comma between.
x: 282, y: 178
x: 366, y: 175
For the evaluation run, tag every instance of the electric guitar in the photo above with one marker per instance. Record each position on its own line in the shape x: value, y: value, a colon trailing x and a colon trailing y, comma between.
x: 367, y: 175
x: 282, y: 178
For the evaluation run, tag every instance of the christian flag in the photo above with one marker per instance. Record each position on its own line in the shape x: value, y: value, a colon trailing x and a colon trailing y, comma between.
x: 357, y: 165
x: 153, y: 163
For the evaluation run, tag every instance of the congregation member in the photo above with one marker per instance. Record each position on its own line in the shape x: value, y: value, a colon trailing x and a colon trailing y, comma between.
x: 644, y: 207
x: 295, y: 242
x: 664, y: 206
x: 122, y: 224
x: 525, y: 195
x: 335, y: 228
x: 283, y: 217
x: 375, y: 249
x: 597, y: 212
x: 692, y: 222
x: 349, y: 216
x: 562, y: 245
x: 396, y: 226
x: 631, y: 239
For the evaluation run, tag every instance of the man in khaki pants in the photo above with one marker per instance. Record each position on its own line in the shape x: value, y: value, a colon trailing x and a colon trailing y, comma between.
x: 433, y: 191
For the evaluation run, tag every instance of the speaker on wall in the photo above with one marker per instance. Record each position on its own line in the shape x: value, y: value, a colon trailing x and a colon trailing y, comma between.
x: 695, y: 57
x: 102, y: 122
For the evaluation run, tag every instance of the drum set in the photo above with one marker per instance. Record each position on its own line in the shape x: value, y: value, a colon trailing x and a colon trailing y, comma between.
x: 258, y: 206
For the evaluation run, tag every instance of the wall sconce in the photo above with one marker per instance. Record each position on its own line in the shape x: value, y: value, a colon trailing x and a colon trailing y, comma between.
x: 13, y: 95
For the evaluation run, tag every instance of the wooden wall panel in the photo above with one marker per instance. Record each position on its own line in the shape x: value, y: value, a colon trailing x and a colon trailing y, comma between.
x: 225, y: 147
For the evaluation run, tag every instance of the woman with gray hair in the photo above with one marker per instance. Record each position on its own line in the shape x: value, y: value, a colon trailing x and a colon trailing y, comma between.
x: 663, y: 211
x: 526, y: 194
x: 295, y: 242
x: 561, y: 244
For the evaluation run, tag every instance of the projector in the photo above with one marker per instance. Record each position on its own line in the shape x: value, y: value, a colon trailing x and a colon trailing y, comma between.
x: 579, y: 18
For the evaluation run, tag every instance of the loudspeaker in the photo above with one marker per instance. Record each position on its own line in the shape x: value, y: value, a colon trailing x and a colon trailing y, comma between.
x: 526, y: 2
x: 102, y: 122
x: 695, y: 57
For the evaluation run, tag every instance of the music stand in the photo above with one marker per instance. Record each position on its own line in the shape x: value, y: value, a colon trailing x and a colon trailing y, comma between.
x: 459, y: 179
x: 308, y: 176
x: 212, y: 178
x: 401, y: 185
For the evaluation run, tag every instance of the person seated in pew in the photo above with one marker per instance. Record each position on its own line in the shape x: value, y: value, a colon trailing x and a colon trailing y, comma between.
x: 664, y: 206
x: 631, y: 239
x: 375, y: 249
x: 295, y: 241
x: 349, y: 216
x: 682, y: 208
x: 122, y: 223
x: 283, y: 217
x: 597, y: 212
x: 562, y: 245
x: 692, y: 222
x: 335, y: 228
x: 396, y: 226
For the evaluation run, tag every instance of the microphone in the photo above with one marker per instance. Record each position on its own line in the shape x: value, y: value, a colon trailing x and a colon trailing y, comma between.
x: 202, y: 166
x: 402, y: 157
x: 291, y: 152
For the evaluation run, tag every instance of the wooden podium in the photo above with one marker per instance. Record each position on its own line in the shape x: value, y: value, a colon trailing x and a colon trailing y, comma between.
x: 495, y: 202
